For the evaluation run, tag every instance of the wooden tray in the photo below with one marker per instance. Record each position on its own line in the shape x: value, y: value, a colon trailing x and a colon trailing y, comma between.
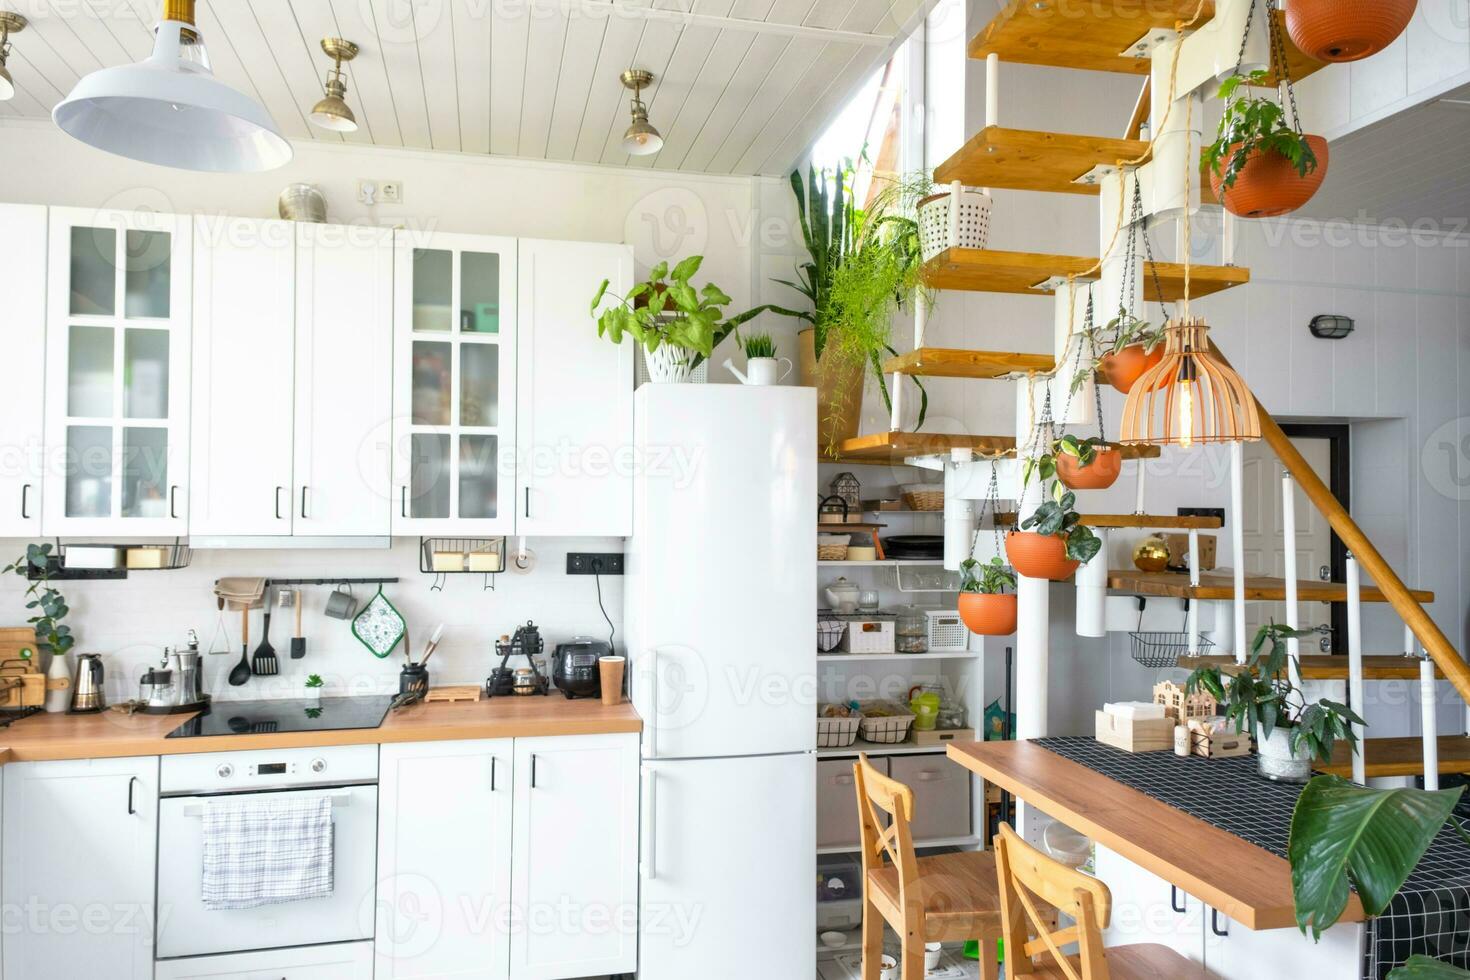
x: 458, y: 692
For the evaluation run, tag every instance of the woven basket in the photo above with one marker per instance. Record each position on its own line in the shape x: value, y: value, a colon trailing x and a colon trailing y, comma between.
x: 837, y: 733
x: 832, y: 547
x: 889, y: 730
x: 924, y: 496
x: 974, y: 225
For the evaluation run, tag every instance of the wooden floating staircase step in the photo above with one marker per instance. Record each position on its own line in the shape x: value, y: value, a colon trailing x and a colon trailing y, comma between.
x: 895, y: 447
x: 1027, y: 160
x: 992, y: 271
x: 1099, y: 36
x: 1162, y: 521
x: 1331, y: 667
x: 1401, y: 756
x: 942, y: 362
x: 1221, y: 585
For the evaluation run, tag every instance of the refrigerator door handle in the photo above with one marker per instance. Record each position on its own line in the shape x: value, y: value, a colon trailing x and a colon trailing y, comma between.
x: 650, y: 818
x: 653, y: 703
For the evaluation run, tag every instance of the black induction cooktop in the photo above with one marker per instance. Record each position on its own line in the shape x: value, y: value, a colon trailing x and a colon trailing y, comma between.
x: 265, y: 717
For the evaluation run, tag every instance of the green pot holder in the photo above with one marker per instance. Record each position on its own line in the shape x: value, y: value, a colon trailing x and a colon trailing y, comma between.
x: 379, y: 626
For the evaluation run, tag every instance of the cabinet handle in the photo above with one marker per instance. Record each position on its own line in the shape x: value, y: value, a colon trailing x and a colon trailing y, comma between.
x: 492, y: 774
x: 278, y: 503
x: 25, y: 500
x: 132, y: 782
x: 650, y: 817
x: 533, y: 770
x: 1215, y: 924
x: 1174, y: 902
x: 303, y: 501
x: 528, y: 501
x: 403, y: 501
x: 173, y: 495
x: 653, y: 703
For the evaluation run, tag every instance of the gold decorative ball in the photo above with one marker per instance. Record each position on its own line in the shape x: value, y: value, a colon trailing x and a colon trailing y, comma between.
x: 1152, y: 554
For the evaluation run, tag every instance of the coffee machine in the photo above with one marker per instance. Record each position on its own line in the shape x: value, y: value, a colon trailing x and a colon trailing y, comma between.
x: 526, y: 642
x: 87, y: 686
x: 175, y: 685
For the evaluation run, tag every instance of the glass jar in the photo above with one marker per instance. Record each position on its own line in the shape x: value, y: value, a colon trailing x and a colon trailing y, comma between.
x: 911, y: 630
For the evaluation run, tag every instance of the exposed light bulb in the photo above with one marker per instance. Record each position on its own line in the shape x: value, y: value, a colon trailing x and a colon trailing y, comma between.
x: 1186, y: 413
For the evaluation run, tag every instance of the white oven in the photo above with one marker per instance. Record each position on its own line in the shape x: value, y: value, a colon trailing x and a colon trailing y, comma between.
x: 347, y: 774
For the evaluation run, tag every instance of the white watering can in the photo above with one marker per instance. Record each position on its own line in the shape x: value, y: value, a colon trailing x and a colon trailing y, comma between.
x: 761, y: 370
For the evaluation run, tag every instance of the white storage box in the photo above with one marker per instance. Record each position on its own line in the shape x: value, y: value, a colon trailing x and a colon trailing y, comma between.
x: 92, y: 556
x: 947, y: 632
x: 941, y: 794
x: 837, y: 805
x: 868, y: 635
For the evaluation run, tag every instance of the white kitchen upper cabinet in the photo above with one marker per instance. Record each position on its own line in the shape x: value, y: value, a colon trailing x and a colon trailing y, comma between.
x: 444, y: 859
x: 117, y: 373
x: 22, y: 367
x: 454, y: 384
x: 344, y: 371
x: 81, y: 885
x: 242, y: 413
x: 574, y: 879
x: 576, y: 394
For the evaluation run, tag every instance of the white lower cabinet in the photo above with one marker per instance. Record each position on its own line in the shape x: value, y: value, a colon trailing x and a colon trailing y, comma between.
x: 444, y: 859
x: 81, y: 842
x: 574, y: 875
x: 1147, y: 909
x: 338, y: 961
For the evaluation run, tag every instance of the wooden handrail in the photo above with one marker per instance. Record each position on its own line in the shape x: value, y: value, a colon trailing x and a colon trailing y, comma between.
x: 1435, y: 643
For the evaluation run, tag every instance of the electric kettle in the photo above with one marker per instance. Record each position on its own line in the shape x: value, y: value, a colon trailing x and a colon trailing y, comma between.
x: 87, y: 696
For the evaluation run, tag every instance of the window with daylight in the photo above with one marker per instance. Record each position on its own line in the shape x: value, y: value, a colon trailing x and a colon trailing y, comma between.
x: 868, y: 135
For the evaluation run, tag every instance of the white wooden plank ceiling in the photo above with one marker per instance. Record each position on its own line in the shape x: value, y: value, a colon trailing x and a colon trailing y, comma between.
x: 741, y: 86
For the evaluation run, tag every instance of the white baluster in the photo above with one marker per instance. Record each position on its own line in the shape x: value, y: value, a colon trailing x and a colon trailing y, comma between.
x: 992, y: 89
x: 1429, y: 719
x: 1139, y: 487
x: 1092, y: 591
x: 1237, y: 544
x: 1227, y: 239
x: 1288, y: 533
x: 1355, y: 658
x: 1193, y: 617
x: 1408, y: 640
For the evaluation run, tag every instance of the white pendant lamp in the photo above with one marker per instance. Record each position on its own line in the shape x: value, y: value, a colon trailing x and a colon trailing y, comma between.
x: 10, y: 23
x: 641, y: 139
x: 171, y: 110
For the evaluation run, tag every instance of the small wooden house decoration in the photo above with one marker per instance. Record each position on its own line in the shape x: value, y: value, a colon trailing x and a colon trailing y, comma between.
x: 1181, y: 706
x: 845, y: 487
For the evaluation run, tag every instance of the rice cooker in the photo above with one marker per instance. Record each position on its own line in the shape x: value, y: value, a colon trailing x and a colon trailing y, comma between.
x: 574, y: 667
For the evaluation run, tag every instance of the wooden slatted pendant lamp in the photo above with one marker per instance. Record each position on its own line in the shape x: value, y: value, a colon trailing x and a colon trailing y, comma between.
x: 1190, y: 396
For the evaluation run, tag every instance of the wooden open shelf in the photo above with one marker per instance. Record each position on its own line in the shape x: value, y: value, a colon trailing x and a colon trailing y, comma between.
x: 991, y: 271
x: 895, y: 447
x: 1330, y: 667
x: 942, y: 362
x: 1221, y: 585
x: 1137, y: 520
x: 1028, y: 160
x: 1400, y: 756
x: 1097, y: 35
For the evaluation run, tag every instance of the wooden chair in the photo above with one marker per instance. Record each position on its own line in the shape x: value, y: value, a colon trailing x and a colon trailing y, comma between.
x: 943, y: 898
x: 1026, y: 876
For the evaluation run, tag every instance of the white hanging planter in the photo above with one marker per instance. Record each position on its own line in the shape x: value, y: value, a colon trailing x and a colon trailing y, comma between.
x: 942, y: 225
x: 669, y: 364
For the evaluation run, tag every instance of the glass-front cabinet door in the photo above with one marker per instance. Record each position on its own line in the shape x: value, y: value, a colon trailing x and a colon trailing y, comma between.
x: 117, y: 373
x: 454, y: 354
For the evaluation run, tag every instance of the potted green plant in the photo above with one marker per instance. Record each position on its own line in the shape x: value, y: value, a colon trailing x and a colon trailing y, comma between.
x: 1123, y: 349
x: 50, y: 609
x: 1080, y: 464
x: 677, y: 325
x: 1261, y: 700
x: 762, y: 366
x: 985, y: 606
x: 313, y: 689
x: 1260, y: 165
x: 1052, y: 542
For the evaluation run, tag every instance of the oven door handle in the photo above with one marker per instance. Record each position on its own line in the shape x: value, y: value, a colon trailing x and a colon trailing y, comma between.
x: 339, y: 799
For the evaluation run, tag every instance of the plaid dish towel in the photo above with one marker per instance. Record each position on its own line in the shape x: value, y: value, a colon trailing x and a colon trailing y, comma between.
x: 264, y: 851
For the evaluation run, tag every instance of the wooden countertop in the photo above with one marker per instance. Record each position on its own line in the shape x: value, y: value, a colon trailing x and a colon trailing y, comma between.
x: 113, y: 734
x: 1247, y: 883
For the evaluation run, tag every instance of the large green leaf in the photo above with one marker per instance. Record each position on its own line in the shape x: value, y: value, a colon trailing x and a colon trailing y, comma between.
x: 1424, y: 968
x: 1373, y: 838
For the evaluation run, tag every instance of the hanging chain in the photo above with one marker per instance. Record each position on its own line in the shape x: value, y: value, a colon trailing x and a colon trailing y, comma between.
x: 1148, y: 248
x: 992, y: 506
x: 1278, y: 55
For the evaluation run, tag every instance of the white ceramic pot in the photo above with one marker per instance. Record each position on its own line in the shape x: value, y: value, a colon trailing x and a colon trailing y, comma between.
x: 58, y: 685
x: 311, y: 695
x: 669, y: 364
x: 1278, y: 763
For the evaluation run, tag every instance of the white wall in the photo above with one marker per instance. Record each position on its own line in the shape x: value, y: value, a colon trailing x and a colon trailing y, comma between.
x: 741, y: 225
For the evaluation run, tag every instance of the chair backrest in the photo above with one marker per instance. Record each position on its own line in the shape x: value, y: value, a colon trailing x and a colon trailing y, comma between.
x: 878, y: 794
x: 1026, y: 875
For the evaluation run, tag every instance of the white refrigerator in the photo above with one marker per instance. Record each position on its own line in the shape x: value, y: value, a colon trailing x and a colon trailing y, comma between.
x: 720, y: 617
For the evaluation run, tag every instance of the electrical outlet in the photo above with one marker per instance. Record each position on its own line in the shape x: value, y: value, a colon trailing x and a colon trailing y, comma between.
x: 367, y: 192
x: 594, y: 563
x: 390, y: 192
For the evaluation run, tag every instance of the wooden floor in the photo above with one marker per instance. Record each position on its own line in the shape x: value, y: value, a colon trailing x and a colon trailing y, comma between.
x: 1402, y: 756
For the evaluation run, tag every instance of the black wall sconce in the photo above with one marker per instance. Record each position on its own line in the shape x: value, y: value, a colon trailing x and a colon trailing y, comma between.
x: 1330, y: 326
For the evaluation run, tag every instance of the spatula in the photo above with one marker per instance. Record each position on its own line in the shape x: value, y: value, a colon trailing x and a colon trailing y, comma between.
x: 264, y: 659
x: 240, y: 673
x: 298, y: 642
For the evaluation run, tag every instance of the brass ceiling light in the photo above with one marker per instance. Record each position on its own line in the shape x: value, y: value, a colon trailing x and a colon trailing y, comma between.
x: 641, y: 139
x: 1190, y: 396
x: 10, y: 23
x: 332, y: 111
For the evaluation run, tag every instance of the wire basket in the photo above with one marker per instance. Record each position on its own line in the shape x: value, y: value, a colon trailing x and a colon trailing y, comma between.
x: 837, y: 733
x: 1163, y: 649
x: 889, y: 729
x: 829, y: 634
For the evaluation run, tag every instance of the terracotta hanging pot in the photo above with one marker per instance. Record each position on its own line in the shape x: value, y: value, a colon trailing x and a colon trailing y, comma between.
x: 1100, y: 474
x: 1127, y: 366
x: 1039, y: 555
x: 1346, y: 30
x: 1268, y: 185
x: 839, y: 395
x: 988, y: 615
